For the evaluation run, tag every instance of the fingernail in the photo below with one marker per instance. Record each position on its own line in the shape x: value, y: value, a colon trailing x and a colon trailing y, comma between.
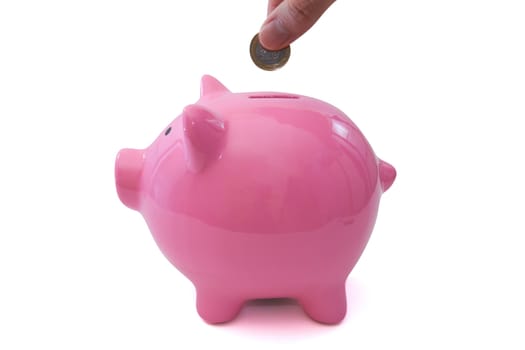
x: 273, y: 35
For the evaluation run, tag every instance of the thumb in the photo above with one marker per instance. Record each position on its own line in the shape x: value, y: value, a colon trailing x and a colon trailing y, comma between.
x: 290, y: 20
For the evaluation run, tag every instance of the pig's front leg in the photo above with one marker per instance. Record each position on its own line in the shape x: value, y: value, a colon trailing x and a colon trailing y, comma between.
x: 325, y: 304
x: 215, y: 306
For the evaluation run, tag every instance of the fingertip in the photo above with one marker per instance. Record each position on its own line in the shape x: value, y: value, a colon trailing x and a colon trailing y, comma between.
x: 289, y: 20
x: 274, y: 35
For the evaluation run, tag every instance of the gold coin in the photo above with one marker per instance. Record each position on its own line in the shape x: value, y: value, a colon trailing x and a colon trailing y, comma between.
x: 268, y: 59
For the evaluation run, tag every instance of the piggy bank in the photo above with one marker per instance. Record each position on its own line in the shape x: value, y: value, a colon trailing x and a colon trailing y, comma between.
x: 258, y: 195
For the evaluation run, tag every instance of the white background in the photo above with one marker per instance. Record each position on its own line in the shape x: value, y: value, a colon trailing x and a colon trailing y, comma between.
x: 438, y: 88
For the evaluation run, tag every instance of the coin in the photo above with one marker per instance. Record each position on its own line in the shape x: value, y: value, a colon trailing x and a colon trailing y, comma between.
x: 268, y: 59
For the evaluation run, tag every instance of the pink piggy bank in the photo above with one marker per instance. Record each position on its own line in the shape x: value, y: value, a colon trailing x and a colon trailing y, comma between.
x: 258, y: 195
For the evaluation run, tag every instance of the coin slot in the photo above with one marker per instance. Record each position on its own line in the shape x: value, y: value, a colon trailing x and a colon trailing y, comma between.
x: 274, y: 96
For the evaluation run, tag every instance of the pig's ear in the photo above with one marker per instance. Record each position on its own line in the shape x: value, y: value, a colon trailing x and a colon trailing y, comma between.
x: 210, y: 85
x: 204, y: 137
x: 387, y: 174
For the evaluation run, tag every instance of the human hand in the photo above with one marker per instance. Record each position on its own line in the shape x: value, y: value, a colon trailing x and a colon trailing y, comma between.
x: 289, y: 19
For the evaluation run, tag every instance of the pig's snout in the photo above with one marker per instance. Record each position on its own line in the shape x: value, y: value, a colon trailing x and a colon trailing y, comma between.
x: 128, y: 172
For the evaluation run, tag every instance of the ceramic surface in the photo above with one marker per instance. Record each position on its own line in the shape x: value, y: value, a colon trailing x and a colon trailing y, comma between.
x: 258, y: 195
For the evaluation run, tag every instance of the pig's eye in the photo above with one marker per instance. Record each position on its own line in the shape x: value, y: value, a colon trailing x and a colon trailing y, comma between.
x: 168, y: 130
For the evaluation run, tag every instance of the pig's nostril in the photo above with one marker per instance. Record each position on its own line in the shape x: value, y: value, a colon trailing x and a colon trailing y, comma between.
x: 168, y: 130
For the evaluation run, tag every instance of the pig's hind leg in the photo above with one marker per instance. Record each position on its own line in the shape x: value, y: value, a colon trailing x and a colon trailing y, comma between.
x: 325, y: 304
x: 216, y: 307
